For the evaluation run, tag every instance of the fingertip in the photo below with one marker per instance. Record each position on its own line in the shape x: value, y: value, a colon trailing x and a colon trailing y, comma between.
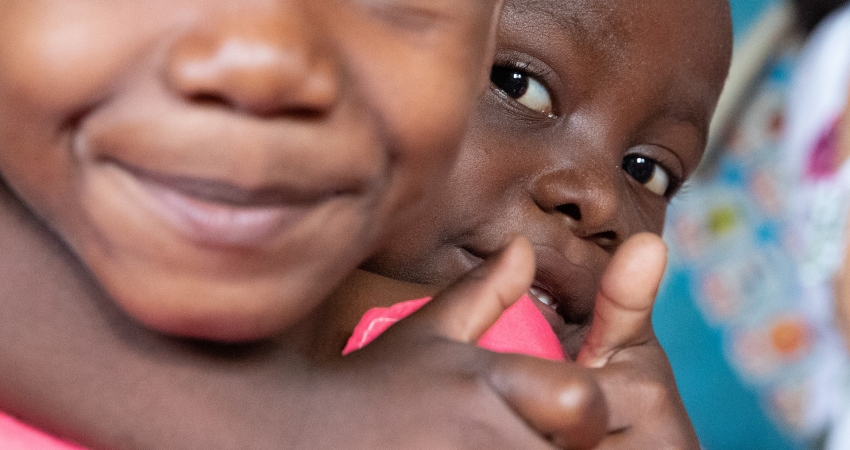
x: 635, y: 271
x: 622, y: 315
x: 465, y: 310
x: 650, y: 244
x: 518, y: 260
x: 643, y: 248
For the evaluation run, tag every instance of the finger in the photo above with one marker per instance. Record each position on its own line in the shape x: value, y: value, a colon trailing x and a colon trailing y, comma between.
x: 468, y: 308
x: 562, y: 401
x: 646, y: 410
x: 622, y: 315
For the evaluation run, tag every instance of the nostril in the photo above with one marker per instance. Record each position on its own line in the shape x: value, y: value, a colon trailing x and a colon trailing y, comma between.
x: 209, y: 99
x: 270, y: 109
x: 608, y: 240
x: 571, y: 210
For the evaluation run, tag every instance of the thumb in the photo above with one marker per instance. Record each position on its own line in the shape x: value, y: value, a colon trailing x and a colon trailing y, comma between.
x: 622, y: 316
x: 468, y: 308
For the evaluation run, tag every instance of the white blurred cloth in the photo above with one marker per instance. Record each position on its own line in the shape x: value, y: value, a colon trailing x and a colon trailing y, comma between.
x: 819, y: 209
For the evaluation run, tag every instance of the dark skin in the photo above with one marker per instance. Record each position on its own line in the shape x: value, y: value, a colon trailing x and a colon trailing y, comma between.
x: 645, y: 408
x: 570, y: 150
x: 185, y: 394
x: 642, y: 356
x: 597, y: 166
x: 220, y: 166
x: 208, y: 169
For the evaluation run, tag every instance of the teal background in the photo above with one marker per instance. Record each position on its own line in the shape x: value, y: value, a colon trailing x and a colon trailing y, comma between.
x: 746, y: 12
x: 726, y: 413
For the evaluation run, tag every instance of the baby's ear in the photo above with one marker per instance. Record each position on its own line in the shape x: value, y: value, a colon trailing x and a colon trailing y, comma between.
x: 622, y: 316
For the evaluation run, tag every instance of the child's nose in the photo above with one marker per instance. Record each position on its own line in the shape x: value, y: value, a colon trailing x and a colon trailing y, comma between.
x: 588, y: 203
x: 271, y: 61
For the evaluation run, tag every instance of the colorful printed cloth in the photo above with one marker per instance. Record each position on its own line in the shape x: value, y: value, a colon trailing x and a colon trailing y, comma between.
x: 762, y: 237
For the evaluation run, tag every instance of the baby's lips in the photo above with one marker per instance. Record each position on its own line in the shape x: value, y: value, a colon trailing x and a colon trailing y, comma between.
x: 521, y: 329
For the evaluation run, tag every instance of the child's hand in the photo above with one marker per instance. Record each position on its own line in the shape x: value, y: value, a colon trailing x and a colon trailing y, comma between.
x: 429, y: 360
x: 632, y: 368
x: 81, y: 369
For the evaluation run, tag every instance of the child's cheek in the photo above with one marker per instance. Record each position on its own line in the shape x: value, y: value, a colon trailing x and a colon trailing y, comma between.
x: 58, y: 57
x: 424, y: 85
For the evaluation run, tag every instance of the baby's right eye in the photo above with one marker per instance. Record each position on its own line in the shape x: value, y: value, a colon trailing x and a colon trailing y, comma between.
x: 527, y: 90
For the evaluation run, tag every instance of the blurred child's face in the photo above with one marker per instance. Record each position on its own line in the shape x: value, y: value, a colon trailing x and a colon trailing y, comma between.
x: 219, y: 165
x: 597, y: 112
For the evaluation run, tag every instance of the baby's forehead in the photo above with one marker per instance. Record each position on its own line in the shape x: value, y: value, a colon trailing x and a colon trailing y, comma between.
x: 615, y: 26
x: 594, y: 22
x: 669, y: 46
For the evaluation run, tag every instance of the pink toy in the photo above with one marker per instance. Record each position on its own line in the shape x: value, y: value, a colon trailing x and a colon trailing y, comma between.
x: 521, y: 329
x: 16, y: 435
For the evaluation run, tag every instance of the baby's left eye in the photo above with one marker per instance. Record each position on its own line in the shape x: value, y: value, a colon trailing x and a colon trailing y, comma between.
x: 648, y: 173
x: 526, y: 89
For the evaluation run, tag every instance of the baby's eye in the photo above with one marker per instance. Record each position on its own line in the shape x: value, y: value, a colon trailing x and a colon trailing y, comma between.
x: 648, y: 173
x: 522, y: 87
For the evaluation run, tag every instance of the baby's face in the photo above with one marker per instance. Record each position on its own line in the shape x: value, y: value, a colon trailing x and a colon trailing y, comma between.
x: 597, y: 112
x: 219, y: 165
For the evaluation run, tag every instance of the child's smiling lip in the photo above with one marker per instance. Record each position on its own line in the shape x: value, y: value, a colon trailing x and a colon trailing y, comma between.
x: 218, y: 213
x: 227, y: 193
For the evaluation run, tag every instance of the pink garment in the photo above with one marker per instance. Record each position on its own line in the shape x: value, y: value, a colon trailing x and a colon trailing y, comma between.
x: 521, y: 329
x: 16, y: 435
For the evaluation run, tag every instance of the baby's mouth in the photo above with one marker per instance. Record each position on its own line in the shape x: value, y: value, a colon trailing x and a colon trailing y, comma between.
x: 543, y: 296
x: 571, y: 335
x: 562, y: 302
x: 562, y: 290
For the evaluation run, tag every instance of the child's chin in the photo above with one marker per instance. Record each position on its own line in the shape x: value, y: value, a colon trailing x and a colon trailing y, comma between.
x: 208, y: 312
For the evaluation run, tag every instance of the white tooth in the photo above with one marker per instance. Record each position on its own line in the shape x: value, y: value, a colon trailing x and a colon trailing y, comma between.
x: 542, y: 297
x: 547, y: 300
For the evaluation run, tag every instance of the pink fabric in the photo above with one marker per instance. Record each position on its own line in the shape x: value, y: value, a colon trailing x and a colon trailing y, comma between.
x: 16, y: 435
x: 521, y: 329
x: 823, y: 159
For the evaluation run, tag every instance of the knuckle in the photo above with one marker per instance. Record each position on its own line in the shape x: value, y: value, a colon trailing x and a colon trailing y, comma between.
x: 657, y: 394
x: 581, y: 399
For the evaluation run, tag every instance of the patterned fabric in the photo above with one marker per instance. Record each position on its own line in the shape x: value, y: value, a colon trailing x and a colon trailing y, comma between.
x: 761, y: 238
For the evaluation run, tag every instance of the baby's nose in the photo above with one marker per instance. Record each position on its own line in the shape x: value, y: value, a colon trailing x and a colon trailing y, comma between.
x: 587, y: 203
x: 274, y: 59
